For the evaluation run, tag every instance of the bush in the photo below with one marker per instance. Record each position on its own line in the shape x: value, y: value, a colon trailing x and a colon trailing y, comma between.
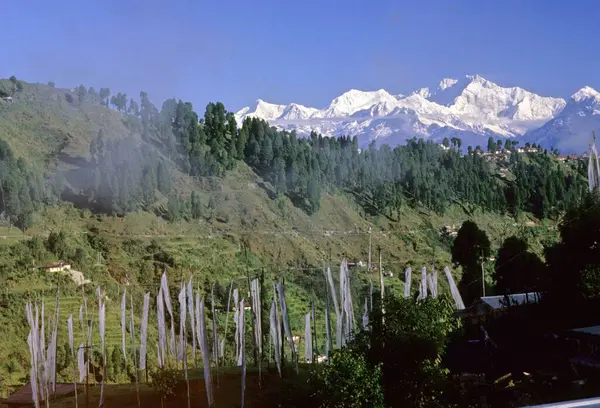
x: 410, y: 347
x: 347, y: 381
x: 164, y: 381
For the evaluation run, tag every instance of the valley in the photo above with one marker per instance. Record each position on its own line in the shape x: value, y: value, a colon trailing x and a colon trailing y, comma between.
x: 124, y: 191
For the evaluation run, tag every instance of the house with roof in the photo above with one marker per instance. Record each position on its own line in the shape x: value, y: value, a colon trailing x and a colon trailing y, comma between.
x: 492, y: 306
x: 60, y: 266
x: 588, y: 402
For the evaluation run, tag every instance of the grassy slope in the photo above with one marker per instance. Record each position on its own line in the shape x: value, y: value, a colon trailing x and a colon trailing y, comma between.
x: 41, y: 124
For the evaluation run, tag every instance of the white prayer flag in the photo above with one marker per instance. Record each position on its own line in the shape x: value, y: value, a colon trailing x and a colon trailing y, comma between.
x: 123, y: 325
x: 144, y: 331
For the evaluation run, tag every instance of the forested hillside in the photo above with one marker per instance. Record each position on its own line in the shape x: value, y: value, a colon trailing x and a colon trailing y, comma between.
x: 123, y: 172
x: 123, y: 189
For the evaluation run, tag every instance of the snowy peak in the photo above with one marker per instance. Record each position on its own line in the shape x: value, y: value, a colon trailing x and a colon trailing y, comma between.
x: 423, y: 92
x: 586, y: 94
x: 268, y: 111
x: 481, y: 98
x: 354, y: 101
x: 470, y: 107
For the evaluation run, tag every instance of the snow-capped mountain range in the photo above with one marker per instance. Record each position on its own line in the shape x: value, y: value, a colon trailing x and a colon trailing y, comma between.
x: 472, y: 108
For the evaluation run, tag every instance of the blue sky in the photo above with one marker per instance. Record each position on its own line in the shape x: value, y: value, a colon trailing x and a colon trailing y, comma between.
x: 306, y: 51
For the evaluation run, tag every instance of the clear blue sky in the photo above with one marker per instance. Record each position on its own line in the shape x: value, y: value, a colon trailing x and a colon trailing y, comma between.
x: 305, y: 51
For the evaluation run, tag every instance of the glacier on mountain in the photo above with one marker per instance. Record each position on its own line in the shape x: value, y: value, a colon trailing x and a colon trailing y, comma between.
x: 571, y: 130
x: 472, y: 108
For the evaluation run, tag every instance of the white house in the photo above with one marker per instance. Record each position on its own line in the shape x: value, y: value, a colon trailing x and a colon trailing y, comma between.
x: 60, y: 266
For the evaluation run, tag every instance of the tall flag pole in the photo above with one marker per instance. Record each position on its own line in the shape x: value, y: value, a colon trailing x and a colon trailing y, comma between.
x: 286, y: 322
x: 132, y: 331
x: 215, y: 346
x: 162, y: 335
x: 454, y: 290
x: 167, y: 299
x: 327, y: 322
x: 101, y: 327
x: 407, y: 281
x: 257, y: 319
x: 236, y: 321
x: 243, y: 349
x: 338, y: 313
x: 71, y: 346
x: 201, y: 327
x: 274, y: 328
x: 124, y: 325
x: 222, y: 347
x: 182, y: 334
x: 144, y: 334
x: 190, y: 304
x: 307, y: 339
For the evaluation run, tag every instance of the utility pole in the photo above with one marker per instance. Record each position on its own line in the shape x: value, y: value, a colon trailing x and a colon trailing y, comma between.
x: 482, y: 276
x: 382, y: 287
x: 253, y: 312
x: 369, y: 262
x: 314, y: 334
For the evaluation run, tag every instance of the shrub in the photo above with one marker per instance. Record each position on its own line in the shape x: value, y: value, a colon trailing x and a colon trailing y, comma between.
x: 164, y: 381
x: 347, y: 381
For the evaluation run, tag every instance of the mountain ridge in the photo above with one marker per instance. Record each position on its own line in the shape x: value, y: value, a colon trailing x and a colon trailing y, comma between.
x: 472, y: 107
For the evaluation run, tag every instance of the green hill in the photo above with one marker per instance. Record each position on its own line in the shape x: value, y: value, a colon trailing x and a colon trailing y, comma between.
x: 141, y: 190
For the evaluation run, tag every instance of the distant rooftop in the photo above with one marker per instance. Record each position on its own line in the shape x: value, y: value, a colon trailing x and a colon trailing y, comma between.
x: 499, y: 302
x: 588, y: 402
x: 595, y: 330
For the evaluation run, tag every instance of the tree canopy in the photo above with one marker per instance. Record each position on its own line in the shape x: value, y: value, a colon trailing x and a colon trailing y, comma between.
x: 573, y: 262
x: 409, y: 347
x: 469, y: 249
x: 517, y: 270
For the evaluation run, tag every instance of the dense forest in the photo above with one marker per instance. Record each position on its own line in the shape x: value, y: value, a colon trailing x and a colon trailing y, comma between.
x: 125, y: 173
x: 22, y: 189
x: 419, y: 173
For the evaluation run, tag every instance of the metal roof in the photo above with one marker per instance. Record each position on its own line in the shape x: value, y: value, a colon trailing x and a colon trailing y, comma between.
x: 499, y: 302
x: 595, y: 330
x: 588, y: 402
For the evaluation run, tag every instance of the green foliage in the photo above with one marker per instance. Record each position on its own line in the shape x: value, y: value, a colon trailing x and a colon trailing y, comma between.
x: 419, y: 173
x: 572, y: 261
x: 57, y: 244
x: 469, y: 249
x: 164, y: 381
x: 410, y: 345
x: 174, y: 208
x: 21, y: 190
x: 124, y: 176
x: 104, y: 95
x: 3, y: 386
x: 119, y: 101
x: 346, y: 381
x: 517, y: 270
x: 117, y: 367
x: 81, y: 93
